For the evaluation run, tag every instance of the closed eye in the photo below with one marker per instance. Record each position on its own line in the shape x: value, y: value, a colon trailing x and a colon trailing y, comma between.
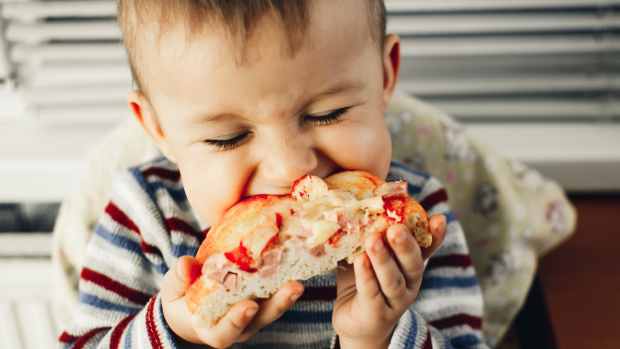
x: 326, y: 119
x: 314, y: 119
x: 227, y: 144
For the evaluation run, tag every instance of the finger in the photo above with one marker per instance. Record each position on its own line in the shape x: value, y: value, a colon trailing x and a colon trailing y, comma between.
x: 345, y: 279
x: 407, y: 253
x: 273, y: 308
x: 229, y: 328
x: 438, y: 226
x: 391, y: 279
x: 177, y: 279
x: 368, y: 288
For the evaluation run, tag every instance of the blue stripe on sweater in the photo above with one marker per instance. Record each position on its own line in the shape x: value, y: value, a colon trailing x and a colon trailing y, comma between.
x: 128, y: 334
x: 120, y: 241
x: 450, y: 217
x: 179, y: 250
x: 282, y: 326
x: 162, y: 322
x: 413, y: 190
x: 435, y: 282
x: 465, y: 341
x: 401, y: 166
x: 97, y: 302
x: 150, y: 188
x: 129, y: 245
x: 296, y: 317
x: 413, y: 333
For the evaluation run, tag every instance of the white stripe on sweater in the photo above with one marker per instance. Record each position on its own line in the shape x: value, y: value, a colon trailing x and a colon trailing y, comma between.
x: 432, y: 309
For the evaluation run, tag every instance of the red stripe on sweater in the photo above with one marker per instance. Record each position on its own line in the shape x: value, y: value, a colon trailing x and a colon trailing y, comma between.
x: 164, y: 173
x: 434, y: 198
x: 65, y: 337
x: 151, y: 329
x: 474, y: 322
x: 114, y: 286
x: 428, y: 341
x: 121, y: 218
x: 177, y: 224
x: 82, y: 340
x: 319, y: 294
x: 117, y: 333
x: 451, y: 260
x: 146, y: 248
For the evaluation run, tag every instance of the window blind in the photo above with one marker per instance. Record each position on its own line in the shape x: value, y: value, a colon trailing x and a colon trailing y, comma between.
x: 528, y: 77
x: 481, y: 61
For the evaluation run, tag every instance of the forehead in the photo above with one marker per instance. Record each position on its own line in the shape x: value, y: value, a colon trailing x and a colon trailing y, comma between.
x: 334, y: 43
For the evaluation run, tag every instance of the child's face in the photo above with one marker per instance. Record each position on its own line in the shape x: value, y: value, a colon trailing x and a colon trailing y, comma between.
x: 281, y: 116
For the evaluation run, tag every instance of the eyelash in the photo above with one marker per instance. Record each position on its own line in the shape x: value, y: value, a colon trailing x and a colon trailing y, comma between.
x: 324, y: 120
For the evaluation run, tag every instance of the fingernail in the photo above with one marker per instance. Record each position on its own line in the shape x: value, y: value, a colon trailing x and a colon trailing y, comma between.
x: 251, y: 311
x: 397, y: 236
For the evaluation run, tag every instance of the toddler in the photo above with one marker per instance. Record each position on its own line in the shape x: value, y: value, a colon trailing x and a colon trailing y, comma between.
x: 242, y: 97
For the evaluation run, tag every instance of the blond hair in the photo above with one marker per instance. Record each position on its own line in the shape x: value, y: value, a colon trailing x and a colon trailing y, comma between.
x: 238, y: 17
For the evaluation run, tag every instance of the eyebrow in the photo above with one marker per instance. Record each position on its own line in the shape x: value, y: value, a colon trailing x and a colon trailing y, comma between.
x: 332, y: 90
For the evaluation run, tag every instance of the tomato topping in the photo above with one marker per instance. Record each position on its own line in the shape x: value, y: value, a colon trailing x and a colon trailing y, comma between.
x: 272, y: 243
x: 333, y: 240
x: 241, y: 258
x: 194, y: 272
x: 278, y: 221
x: 395, y: 204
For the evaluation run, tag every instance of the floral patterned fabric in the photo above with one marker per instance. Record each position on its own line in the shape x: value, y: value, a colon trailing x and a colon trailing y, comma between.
x: 510, y: 213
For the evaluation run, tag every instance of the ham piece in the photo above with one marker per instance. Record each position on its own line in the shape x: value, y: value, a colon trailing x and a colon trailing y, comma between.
x: 270, y: 261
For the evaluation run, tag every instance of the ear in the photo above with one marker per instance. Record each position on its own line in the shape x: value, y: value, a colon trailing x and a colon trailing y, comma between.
x: 391, y: 66
x: 143, y: 111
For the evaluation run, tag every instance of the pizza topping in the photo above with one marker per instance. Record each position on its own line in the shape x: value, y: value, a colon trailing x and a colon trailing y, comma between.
x: 394, y: 208
x: 230, y: 281
x: 317, y: 251
x: 263, y: 234
x: 216, y: 267
x: 273, y: 242
x: 278, y: 221
x: 241, y: 257
x: 372, y: 205
x: 322, y: 230
x: 270, y: 262
x: 309, y: 187
x: 333, y: 240
x: 387, y: 189
x: 217, y: 275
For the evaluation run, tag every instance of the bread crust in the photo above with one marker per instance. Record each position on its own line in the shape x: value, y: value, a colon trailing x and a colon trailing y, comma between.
x: 240, y: 222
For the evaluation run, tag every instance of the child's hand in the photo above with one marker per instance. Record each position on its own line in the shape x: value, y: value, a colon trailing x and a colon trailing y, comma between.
x: 382, y: 284
x: 241, y: 322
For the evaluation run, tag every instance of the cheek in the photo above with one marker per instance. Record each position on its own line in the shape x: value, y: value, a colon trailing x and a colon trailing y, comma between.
x: 361, y: 146
x: 210, y: 193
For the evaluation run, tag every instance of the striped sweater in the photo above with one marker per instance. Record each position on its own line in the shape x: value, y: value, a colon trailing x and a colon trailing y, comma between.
x: 148, y: 224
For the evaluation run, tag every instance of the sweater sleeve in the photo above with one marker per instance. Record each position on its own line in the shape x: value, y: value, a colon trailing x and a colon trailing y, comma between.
x: 125, y: 261
x: 448, y: 310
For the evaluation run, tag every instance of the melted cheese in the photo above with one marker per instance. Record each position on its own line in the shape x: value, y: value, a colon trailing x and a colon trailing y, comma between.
x: 321, y: 231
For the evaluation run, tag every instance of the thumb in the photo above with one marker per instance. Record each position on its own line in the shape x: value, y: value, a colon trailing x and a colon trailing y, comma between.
x: 178, y: 279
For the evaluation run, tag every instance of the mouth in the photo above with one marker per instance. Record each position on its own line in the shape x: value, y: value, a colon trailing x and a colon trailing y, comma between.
x: 286, y: 190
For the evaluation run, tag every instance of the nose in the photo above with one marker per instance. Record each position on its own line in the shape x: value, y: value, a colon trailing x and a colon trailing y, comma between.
x: 288, y: 158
